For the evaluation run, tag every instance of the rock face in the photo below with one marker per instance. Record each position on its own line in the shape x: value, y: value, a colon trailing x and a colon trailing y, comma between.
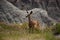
x: 11, y: 14
x: 51, y: 6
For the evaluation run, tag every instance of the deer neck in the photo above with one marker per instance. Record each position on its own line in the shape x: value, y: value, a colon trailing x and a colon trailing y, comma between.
x: 29, y: 19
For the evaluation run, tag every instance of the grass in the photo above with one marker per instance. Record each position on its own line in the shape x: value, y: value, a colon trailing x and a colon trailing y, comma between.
x: 21, y: 32
x: 57, y: 28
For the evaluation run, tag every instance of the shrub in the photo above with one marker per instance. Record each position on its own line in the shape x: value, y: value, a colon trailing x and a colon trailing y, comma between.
x: 56, y: 28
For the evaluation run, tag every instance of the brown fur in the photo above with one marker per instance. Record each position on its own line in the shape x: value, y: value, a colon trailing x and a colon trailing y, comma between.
x: 35, y: 24
x: 32, y: 23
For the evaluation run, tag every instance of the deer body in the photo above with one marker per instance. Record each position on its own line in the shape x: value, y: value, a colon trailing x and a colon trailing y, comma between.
x: 32, y: 23
x: 35, y: 23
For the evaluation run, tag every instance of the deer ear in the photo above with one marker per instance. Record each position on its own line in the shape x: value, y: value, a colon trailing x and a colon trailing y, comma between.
x: 27, y: 12
x: 31, y: 12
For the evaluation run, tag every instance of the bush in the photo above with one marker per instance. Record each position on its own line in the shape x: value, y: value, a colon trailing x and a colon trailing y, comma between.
x: 56, y: 29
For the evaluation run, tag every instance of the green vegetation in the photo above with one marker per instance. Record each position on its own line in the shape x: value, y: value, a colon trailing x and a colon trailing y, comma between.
x: 21, y: 32
x: 56, y: 28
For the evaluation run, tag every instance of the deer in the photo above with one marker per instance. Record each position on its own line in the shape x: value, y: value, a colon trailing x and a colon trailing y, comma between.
x: 32, y: 23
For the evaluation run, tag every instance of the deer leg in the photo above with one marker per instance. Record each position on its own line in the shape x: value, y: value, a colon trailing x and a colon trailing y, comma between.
x: 30, y: 28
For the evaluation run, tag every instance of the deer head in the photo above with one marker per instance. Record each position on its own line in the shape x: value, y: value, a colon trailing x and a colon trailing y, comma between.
x: 29, y: 14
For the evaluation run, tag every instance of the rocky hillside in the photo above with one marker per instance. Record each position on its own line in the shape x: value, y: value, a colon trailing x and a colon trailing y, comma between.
x: 51, y: 6
x: 12, y: 12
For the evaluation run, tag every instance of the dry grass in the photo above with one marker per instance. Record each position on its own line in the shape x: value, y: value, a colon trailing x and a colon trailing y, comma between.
x: 21, y: 32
